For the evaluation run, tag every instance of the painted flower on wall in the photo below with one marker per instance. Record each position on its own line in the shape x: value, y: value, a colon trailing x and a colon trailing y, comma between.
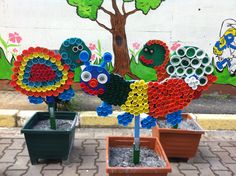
x: 134, y: 51
x: 14, y: 37
x: 92, y: 46
x: 11, y: 45
x: 175, y: 46
x: 136, y: 45
x: 15, y: 50
x: 9, y: 49
x: 93, y: 57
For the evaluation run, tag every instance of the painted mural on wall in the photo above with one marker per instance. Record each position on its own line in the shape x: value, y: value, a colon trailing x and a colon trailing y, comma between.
x: 9, y: 49
x: 89, y: 10
x: 225, y: 53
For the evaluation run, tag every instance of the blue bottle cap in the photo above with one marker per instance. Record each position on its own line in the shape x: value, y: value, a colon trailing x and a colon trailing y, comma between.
x: 72, y: 40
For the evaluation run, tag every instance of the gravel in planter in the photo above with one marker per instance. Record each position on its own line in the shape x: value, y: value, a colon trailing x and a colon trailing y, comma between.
x: 61, y: 125
x: 185, y: 124
x: 122, y: 157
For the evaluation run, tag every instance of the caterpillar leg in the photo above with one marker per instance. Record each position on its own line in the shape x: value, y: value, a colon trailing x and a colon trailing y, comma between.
x: 104, y: 109
x: 148, y: 122
x: 125, y: 119
x: 173, y: 119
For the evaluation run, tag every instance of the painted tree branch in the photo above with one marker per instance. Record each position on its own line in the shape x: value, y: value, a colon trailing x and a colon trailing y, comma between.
x: 123, y: 8
x: 104, y: 26
x: 115, y: 7
x: 133, y: 76
x: 106, y: 11
x: 131, y: 12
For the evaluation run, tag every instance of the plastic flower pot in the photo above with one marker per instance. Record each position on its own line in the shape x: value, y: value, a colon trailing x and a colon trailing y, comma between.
x: 178, y: 143
x: 149, y: 142
x: 49, y: 144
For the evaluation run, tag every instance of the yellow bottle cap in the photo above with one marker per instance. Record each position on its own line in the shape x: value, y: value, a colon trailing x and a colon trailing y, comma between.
x: 46, y: 57
x: 20, y: 77
x: 33, y: 89
x: 54, y: 88
x: 58, y: 63
x: 123, y: 106
x: 132, y: 86
x: 22, y: 68
x: 27, y: 88
x: 23, y: 86
x: 53, y: 60
x: 64, y: 72
x: 62, y: 82
x: 21, y: 73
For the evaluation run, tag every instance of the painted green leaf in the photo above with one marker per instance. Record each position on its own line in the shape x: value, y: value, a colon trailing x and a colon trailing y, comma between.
x: 13, y: 45
x: 109, y: 67
x: 225, y: 77
x: 4, y: 44
x: 141, y: 71
x: 96, y: 62
x: 86, y: 8
x: 77, y: 74
x: 99, y: 47
x: 146, y: 5
x: 5, y: 66
x: 12, y: 61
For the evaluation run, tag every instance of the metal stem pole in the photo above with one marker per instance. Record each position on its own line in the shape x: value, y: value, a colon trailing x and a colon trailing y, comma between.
x: 136, y: 146
x: 51, y: 109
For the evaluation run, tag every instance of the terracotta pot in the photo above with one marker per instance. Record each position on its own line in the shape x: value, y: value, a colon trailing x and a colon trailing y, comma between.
x: 179, y: 143
x: 149, y: 142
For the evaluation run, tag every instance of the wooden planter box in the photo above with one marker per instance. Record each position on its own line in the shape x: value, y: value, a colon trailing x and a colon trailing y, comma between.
x: 51, y: 144
x: 149, y: 142
x: 179, y: 143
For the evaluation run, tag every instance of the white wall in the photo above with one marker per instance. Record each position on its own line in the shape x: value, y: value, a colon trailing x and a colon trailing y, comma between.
x: 48, y: 22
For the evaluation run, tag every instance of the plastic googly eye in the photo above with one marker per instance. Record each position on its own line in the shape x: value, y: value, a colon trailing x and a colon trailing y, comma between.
x: 102, y: 78
x: 80, y: 47
x: 75, y: 49
x: 86, y: 76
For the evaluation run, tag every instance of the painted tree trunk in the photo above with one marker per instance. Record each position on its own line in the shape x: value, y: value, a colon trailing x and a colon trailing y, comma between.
x: 120, y: 47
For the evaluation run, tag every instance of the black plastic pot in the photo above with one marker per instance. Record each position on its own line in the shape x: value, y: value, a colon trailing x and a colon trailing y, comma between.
x: 49, y: 144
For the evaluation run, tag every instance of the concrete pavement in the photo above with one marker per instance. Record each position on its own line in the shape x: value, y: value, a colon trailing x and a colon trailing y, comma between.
x: 216, y: 155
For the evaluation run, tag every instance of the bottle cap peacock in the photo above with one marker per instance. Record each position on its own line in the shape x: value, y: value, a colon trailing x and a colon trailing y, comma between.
x: 46, y: 76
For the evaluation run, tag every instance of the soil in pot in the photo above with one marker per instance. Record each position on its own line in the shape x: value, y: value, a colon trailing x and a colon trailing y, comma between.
x: 122, y: 157
x: 61, y: 124
x: 185, y: 124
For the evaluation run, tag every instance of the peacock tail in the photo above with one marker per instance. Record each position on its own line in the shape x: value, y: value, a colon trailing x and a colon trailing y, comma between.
x: 39, y: 72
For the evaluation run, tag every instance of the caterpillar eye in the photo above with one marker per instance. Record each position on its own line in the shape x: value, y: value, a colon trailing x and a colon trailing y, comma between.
x: 145, y: 49
x: 75, y: 49
x: 80, y: 47
x: 102, y: 78
x: 151, y: 51
x: 86, y: 76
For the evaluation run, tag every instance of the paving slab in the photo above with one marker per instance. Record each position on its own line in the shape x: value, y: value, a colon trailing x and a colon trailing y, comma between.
x: 215, y: 156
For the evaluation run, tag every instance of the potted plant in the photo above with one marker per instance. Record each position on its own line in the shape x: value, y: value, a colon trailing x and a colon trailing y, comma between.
x: 179, y: 142
x: 45, y: 76
x: 179, y: 133
x: 114, y: 90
